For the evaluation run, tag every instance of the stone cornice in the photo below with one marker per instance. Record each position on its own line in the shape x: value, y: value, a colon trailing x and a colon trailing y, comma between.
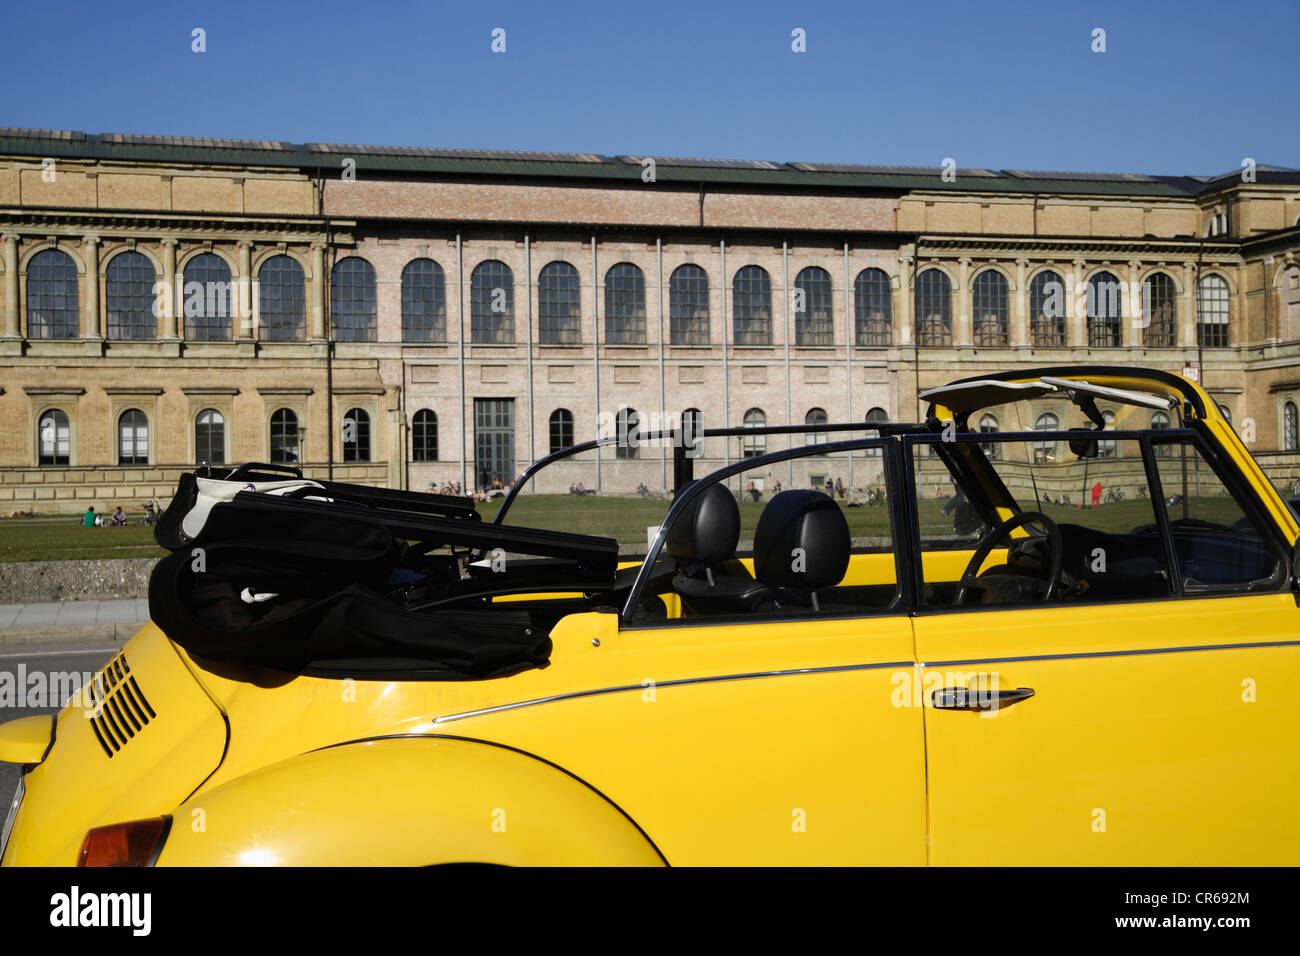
x: 48, y: 390
x: 210, y: 390
x: 1075, y: 247
x: 178, y: 225
x: 129, y: 390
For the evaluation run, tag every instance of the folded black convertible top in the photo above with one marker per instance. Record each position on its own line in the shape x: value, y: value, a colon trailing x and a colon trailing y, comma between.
x: 271, y: 569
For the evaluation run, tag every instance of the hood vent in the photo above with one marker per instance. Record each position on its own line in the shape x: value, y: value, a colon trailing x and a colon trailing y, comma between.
x: 120, y: 708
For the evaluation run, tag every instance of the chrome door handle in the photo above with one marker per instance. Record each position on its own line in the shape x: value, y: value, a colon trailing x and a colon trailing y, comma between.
x: 976, y: 698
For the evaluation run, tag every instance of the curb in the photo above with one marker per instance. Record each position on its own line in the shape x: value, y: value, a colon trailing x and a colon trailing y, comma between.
x: 117, y: 633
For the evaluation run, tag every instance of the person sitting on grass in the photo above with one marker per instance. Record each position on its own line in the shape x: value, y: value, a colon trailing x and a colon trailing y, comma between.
x: 88, y: 519
x: 119, y: 517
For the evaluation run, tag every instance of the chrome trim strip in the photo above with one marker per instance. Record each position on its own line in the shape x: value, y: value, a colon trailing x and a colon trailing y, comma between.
x: 667, y: 683
x: 1087, y: 654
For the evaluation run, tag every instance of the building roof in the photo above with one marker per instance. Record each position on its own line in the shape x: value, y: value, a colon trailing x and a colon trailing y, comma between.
x: 422, y: 161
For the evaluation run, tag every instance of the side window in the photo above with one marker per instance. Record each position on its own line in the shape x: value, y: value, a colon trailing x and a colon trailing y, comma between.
x: 1217, y: 545
x: 765, y: 541
x: 1101, y: 508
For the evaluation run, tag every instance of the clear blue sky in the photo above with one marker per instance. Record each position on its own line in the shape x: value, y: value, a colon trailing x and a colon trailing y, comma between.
x: 1184, y: 87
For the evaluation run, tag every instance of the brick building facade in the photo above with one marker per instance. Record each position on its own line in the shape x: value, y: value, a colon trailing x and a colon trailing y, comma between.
x: 415, y: 317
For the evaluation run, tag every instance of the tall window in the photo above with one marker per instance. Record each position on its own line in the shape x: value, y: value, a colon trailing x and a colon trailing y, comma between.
x: 492, y: 302
x: 1160, y: 421
x: 210, y: 437
x: 1105, y: 304
x: 208, y: 295
x: 752, y: 446
x: 51, y: 296
x: 629, y: 427
x: 132, y: 438
x: 1158, y: 296
x: 815, y: 416
x: 559, y: 305
x: 813, y: 310
x: 284, y: 437
x: 688, y: 306
x: 877, y: 416
x: 1047, y: 310
x: 1212, y: 313
x: 989, y: 309
x: 1045, y: 449
x: 989, y: 425
x: 356, y: 435
x: 1290, y: 428
x: 424, y: 436
x: 353, y: 309
x: 55, y: 437
x: 872, y: 310
x: 624, y: 305
x: 128, y: 296
x: 282, y: 300
x: 561, y: 426
x: 751, y: 306
x: 933, y: 308
x: 424, y: 302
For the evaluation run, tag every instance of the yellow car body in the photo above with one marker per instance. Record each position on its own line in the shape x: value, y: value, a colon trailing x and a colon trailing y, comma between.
x: 765, y: 742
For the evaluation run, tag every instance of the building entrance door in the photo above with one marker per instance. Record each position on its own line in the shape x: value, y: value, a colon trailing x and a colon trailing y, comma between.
x: 494, y: 442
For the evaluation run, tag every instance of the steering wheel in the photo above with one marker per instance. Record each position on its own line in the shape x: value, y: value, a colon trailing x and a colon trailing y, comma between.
x: 985, y: 548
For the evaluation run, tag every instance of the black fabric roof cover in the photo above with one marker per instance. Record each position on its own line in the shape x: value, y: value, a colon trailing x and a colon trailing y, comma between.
x: 307, y: 594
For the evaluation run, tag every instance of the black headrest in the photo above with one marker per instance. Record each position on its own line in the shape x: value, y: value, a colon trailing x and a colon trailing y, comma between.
x: 708, y: 530
x: 802, y: 541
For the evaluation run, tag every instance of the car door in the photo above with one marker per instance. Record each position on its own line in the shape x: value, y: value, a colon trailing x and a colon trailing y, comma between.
x: 1146, y: 721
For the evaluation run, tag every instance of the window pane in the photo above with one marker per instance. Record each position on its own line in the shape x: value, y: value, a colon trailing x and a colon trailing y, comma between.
x: 1047, y: 310
x: 1158, y: 317
x: 688, y: 304
x: 751, y: 300
x: 561, y: 428
x: 1212, y: 313
x: 284, y: 437
x: 281, y: 300
x: 424, y: 436
x: 558, y: 305
x: 492, y: 303
x: 52, y: 304
x: 1218, y: 547
x: 424, y: 302
x: 55, y: 438
x: 353, y: 311
x: 208, y: 295
x: 813, y: 311
x: 132, y: 438
x: 129, y: 297
x: 754, y: 445
x: 624, y: 305
x: 210, y: 437
x: 990, y: 310
x: 873, y: 310
x: 1104, y: 306
x: 933, y: 308
x: 356, y: 435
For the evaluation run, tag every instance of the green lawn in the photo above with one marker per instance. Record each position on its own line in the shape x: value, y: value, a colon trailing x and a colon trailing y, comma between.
x: 23, y: 539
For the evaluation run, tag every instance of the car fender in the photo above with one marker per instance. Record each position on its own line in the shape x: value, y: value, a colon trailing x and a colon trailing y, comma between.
x: 406, y: 801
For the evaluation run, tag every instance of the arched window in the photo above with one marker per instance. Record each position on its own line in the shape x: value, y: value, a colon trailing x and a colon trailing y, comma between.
x: 1291, y: 428
x: 751, y: 306
x: 752, y: 446
x: 284, y: 437
x: 52, y: 304
x: 933, y: 308
x: 424, y: 302
x: 132, y: 438
x: 55, y: 438
x: 1047, y: 310
x: 558, y: 305
x: 210, y: 437
x: 1045, y: 449
x: 877, y: 416
x: 282, y: 300
x: 1105, y: 304
x: 873, y: 311
x: 988, y: 425
x: 990, y: 310
x: 129, y: 298
x: 1160, y: 421
x: 424, y: 435
x: 813, y: 310
x: 692, y: 425
x: 353, y: 311
x: 492, y: 302
x: 815, y: 416
x: 561, y: 423
x: 356, y: 435
x: 1160, y: 325
x: 1106, y: 447
x: 624, y: 305
x: 688, y: 306
x: 208, y: 294
x: 1212, y: 313
x: 629, y: 427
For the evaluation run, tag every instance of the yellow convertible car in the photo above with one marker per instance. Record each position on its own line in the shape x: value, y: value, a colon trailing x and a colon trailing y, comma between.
x: 1055, y: 622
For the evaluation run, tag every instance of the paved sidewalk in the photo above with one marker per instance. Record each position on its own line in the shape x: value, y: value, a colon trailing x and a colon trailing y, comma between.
x: 71, y: 620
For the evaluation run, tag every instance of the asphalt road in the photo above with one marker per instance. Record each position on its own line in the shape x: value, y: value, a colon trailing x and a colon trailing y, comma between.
x: 50, y: 659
